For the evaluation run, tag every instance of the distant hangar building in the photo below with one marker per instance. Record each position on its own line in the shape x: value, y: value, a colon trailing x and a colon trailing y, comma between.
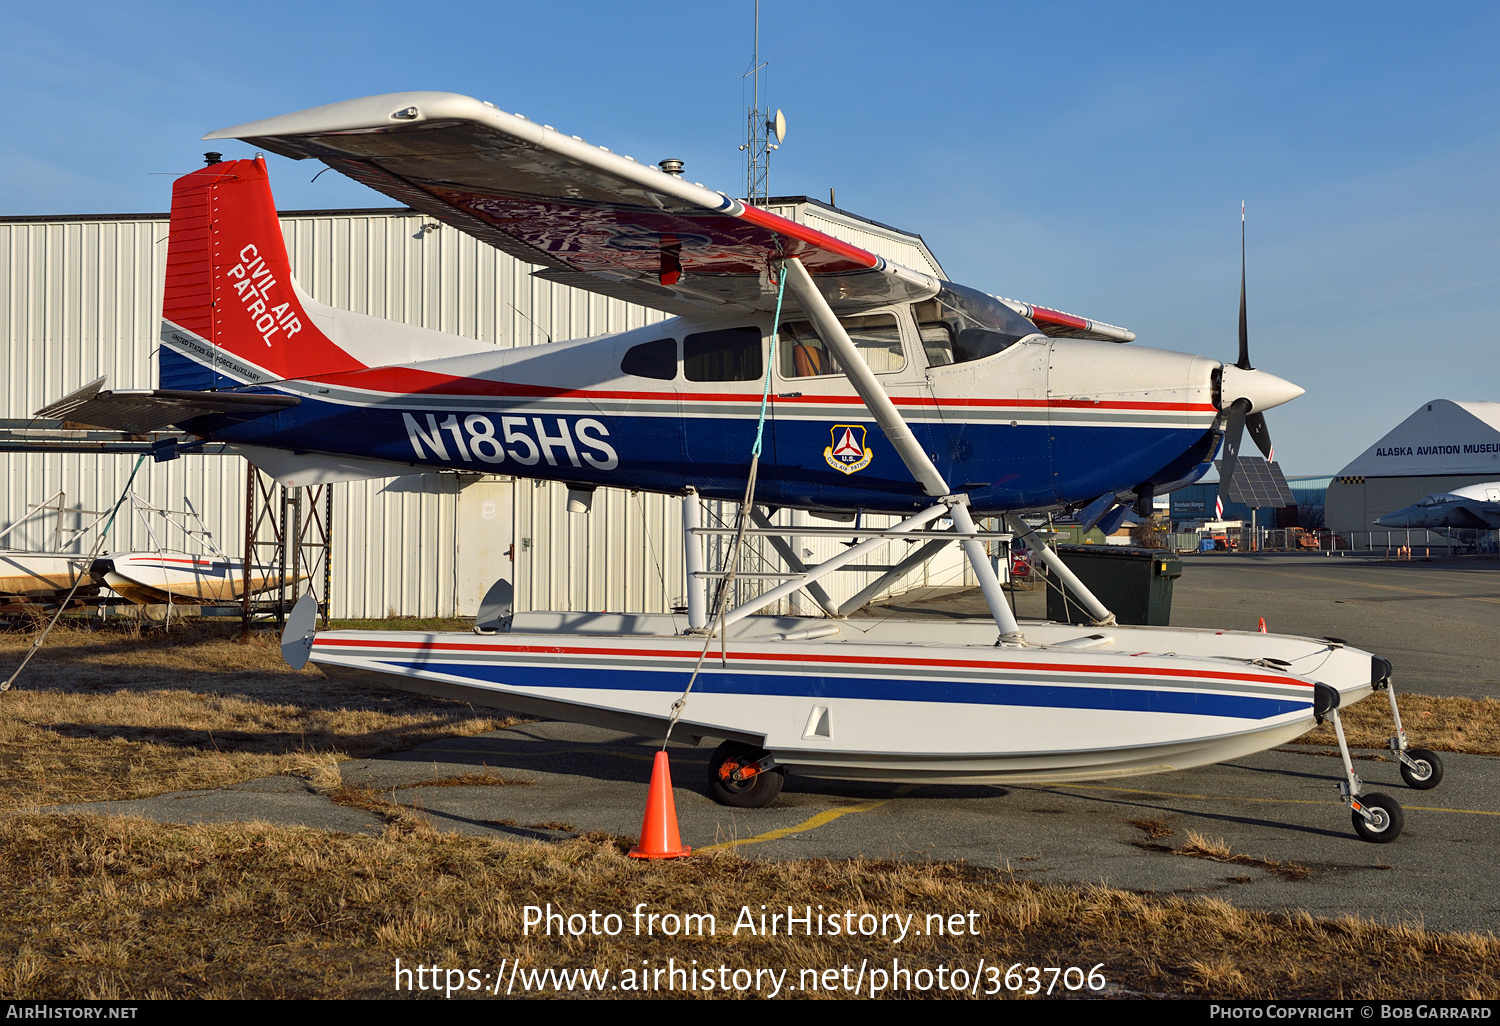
x: 1444, y: 445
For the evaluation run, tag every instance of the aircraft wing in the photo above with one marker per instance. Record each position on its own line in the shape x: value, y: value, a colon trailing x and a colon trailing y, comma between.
x: 139, y: 410
x: 1065, y: 325
x: 1478, y: 516
x: 591, y: 218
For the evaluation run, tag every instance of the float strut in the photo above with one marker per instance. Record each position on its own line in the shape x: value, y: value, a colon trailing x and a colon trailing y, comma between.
x: 899, y: 435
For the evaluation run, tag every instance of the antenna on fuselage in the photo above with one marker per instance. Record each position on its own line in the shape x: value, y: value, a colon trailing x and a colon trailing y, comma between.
x: 760, y: 126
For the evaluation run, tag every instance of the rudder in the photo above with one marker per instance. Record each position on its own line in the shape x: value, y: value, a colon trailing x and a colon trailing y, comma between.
x: 231, y: 314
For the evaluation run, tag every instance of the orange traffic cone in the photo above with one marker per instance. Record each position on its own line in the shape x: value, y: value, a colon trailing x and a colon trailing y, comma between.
x: 1262, y: 627
x: 659, y: 838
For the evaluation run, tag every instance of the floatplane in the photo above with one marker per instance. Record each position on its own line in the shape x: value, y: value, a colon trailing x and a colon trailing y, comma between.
x: 33, y: 581
x: 797, y: 371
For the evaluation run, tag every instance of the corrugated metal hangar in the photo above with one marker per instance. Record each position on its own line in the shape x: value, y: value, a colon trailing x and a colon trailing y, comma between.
x: 1442, y: 446
x: 80, y: 297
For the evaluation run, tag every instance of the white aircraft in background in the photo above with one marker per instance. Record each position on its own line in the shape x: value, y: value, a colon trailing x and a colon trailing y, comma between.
x: 1473, y: 507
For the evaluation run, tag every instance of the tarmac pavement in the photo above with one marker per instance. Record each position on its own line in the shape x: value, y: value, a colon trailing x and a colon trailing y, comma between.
x: 1439, y: 623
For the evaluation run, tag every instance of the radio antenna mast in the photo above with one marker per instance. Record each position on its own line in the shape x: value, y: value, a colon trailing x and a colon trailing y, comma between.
x: 760, y: 127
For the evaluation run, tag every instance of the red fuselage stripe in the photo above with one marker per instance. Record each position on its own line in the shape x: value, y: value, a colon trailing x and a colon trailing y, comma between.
x: 403, y: 381
x: 1135, y: 671
x: 149, y: 561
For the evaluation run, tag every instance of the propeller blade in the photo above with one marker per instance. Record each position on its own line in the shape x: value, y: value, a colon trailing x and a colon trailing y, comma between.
x: 1256, y: 422
x: 1244, y: 361
x: 1233, y: 435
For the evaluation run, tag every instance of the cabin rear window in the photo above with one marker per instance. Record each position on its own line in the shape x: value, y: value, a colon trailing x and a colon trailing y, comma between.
x: 652, y: 359
x: 729, y: 354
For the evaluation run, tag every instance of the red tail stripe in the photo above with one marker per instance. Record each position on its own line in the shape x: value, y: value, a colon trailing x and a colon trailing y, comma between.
x: 229, y: 280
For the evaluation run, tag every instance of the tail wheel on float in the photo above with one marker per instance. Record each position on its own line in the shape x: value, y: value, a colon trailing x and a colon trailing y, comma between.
x: 1424, y: 771
x: 744, y: 777
x: 1385, y: 818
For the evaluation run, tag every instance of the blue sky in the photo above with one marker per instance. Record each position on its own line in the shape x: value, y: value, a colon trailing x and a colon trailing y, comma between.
x: 1086, y: 156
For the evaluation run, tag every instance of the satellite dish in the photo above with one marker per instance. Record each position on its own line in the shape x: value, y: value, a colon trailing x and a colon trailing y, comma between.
x: 778, y: 125
x: 297, y: 636
x: 495, y: 608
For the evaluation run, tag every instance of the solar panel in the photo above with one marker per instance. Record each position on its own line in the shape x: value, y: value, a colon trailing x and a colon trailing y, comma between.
x: 1258, y: 484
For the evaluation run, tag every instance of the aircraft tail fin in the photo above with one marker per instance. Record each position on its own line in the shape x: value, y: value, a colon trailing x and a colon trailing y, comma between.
x: 231, y: 313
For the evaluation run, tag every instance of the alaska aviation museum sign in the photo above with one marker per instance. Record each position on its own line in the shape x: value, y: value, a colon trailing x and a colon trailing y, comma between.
x: 1442, y: 438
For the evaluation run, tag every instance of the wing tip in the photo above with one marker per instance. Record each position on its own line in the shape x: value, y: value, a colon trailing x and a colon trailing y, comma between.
x: 385, y: 109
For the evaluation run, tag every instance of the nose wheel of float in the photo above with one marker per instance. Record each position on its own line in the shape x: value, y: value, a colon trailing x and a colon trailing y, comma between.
x: 1378, y: 818
x: 1421, y: 769
x: 744, y: 777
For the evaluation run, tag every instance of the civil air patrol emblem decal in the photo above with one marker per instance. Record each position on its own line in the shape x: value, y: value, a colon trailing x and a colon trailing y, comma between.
x: 848, y: 452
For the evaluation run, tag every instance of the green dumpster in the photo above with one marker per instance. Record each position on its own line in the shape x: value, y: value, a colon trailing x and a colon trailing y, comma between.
x: 1134, y: 583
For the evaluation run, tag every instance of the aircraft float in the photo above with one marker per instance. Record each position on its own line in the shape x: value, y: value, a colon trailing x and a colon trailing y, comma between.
x: 798, y: 372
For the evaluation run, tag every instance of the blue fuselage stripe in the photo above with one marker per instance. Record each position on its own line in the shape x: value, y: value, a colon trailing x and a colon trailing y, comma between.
x: 1001, y: 467
x: 815, y: 686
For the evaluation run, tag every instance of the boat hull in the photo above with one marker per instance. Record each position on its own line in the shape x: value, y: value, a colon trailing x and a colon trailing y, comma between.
x: 40, y: 574
x: 162, y: 578
x: 36, y: 582
x: 895, y: 700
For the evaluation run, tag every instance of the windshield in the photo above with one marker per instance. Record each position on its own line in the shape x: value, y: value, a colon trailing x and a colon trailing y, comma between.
x: 961, y: 324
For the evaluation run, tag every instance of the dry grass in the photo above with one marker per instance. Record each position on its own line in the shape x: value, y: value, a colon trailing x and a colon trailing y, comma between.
x: 116, y: 908
x: 1155, y: 828
x: 1467, y: 725
x: 485, y: 779
x: 118, y: 713
x: 108, y: 908
x: 1217, y: 849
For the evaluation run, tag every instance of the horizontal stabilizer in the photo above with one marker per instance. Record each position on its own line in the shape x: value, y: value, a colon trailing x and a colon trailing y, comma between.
x: 139, y: 410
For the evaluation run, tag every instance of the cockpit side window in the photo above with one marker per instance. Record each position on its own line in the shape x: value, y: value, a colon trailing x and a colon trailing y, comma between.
x: 960, y: 325
x: 876, y: 336
x: 652, y: 359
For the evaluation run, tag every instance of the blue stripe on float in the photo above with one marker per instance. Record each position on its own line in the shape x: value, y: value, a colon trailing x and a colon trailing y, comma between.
x: 1156, y: 700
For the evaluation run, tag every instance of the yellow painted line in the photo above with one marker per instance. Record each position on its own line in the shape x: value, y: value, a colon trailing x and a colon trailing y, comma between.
x: 1242, y: 798
x: 821, y: 819
x: 1355, y: 583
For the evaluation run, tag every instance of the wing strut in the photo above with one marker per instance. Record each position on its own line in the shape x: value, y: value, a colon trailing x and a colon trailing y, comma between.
x: 1090, y: 602
x: 903, y: 441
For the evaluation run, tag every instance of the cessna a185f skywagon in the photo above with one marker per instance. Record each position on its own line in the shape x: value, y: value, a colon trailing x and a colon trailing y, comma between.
x: 799, y: 372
